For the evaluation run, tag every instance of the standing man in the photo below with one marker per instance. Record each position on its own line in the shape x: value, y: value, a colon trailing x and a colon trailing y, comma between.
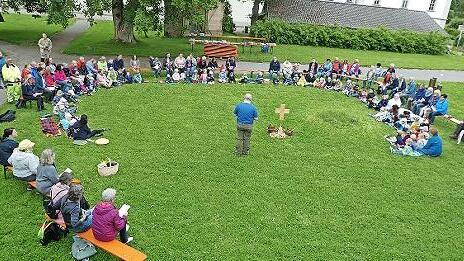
x: 45, y: 46
x: 246, y: 114
x: 12, y: 78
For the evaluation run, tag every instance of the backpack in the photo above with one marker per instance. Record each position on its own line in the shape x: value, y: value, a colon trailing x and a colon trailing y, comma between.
x: 50, y: 231
x: 9, y: 115
x: 51, y: 210
x: 82, y: 249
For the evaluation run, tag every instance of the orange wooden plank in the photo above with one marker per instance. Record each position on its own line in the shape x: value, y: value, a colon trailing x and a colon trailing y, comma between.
x: 115, y: 247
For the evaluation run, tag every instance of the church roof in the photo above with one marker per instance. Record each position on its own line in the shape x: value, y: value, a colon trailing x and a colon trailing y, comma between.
x: 351, y: 15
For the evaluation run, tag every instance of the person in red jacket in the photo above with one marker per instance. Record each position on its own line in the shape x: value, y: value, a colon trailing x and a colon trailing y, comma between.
x: 107, y: 221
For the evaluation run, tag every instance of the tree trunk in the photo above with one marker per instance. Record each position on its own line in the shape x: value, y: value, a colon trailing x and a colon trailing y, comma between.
x: 255, y: 11
x: 123, y: 28
x: 173, y: 21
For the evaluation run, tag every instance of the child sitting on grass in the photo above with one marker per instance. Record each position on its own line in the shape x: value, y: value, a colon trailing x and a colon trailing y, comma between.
x: 244, y: 79
x: 407, y: 150
x: 210, y: 78
x: 320, y: 84
x: 259, y: 78
x: 222, y: 75
x: 204, y: 76
x: 155, y: 65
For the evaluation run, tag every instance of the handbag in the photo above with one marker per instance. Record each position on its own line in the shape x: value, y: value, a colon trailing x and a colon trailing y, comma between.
x: 81, y: 249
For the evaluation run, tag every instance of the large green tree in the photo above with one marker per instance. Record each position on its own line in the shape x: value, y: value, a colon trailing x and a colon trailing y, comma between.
x: 124, y: 12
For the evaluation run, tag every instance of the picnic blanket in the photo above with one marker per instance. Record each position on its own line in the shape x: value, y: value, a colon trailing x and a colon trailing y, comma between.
x: 49, y: 127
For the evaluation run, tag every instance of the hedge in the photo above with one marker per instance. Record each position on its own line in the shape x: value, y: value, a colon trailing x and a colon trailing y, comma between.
x: 379, y: 39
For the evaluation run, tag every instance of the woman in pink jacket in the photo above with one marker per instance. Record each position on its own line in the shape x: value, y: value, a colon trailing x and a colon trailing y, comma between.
x: 106, y: 222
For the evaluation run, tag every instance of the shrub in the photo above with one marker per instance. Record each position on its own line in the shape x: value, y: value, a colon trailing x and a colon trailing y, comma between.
x: 378, y: 39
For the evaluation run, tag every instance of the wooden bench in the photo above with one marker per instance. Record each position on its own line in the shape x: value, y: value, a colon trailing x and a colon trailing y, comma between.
x: 452, y: 119
x: 115, y: 247
x: 33, y: 184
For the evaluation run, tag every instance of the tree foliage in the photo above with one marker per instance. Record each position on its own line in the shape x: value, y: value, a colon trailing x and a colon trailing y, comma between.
x: 228, y: 25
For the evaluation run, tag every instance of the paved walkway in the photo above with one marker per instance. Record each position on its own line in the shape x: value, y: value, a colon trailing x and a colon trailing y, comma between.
x: 23, y: 54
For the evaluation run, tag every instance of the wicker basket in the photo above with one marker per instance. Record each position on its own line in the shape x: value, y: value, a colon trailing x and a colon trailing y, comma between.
x: 105, y: 171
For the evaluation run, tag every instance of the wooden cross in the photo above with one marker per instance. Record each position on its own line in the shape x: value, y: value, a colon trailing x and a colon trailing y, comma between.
x: 282, y: 111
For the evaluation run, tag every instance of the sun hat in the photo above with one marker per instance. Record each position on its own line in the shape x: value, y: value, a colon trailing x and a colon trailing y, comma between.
x: 25, y: 145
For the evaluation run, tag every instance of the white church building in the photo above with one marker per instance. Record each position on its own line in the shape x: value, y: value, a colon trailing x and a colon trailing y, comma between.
x: 437, y: 9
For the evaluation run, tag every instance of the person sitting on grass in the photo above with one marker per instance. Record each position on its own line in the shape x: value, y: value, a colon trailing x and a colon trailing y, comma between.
x: 212, y: 64
x: 179, y: 63
x: 102, y: 64
x: 336, y: 66
x: 244, y: 79
x: 423, y: 101
x: 259, y: 78
x: 396, y: 100
x: 454, y: 135
x: 407, y: 150
x: 274, y: 67
x: 155, y: 66
x: 320, y: 84
x: 90, y: 66
x: 222, y: 75
x: 81, y: 66
x: 107, y: 222
x: 103, y: 81
x: 47, y: 176
x: 327, y: 68
x: 7, y: 145
x: 61, y: 80
x: 136, y: 75
x: 113, y: 77
x: 434, y: 146
x: 24, y: 161
x: 75, y: 216
x: 440, y: 108
x: 118, y: 63
x: 176, y: 77
x: 346, y: 68
x: 81, y: 131
x: 427, y: 110
x: 210, y: 77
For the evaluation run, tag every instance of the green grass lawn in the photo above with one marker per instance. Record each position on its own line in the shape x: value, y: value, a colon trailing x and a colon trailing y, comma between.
x: 98, y: 41
x: 333, y: 191
x: 25, y: 29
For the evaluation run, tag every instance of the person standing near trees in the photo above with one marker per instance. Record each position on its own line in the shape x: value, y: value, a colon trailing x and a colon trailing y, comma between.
x: 246, y: 113
x: 45, y: 47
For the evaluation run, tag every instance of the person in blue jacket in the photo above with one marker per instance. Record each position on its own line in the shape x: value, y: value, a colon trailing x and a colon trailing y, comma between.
x: 246, y: 113
x: 440, y: 109
x: 434, y: 145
